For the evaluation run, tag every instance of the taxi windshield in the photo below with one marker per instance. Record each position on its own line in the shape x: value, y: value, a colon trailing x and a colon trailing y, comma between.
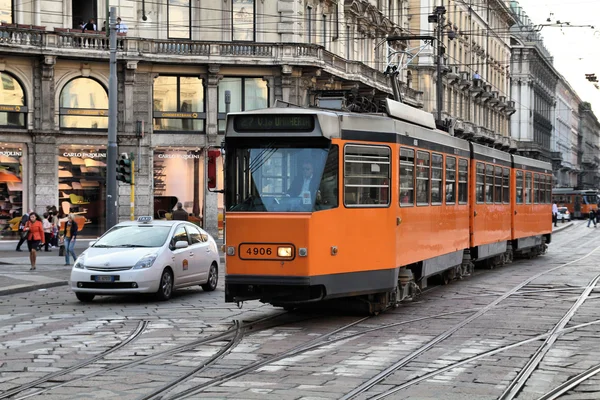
x: 134, y: 236
x: 274, y: 177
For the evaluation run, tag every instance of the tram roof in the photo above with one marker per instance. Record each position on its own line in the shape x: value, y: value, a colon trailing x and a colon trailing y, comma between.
x: 530, y: 163
x: 369, y: 127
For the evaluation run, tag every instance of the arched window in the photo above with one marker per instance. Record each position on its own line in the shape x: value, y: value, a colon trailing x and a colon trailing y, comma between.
x: 83, y: 105
x: 13, y: 110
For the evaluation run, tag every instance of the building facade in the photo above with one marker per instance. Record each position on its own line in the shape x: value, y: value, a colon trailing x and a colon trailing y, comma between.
x: 533, y: 88
x: 565, y: 137
x: 476, y: 87
x: 589, y: 175
x: 176, y: 60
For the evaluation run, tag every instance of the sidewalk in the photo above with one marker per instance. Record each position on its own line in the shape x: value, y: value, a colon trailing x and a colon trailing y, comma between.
x: 15, y: 276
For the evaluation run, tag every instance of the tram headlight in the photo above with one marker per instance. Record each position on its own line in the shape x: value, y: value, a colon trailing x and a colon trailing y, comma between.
x: 285, y: 252
x: 230, y: 250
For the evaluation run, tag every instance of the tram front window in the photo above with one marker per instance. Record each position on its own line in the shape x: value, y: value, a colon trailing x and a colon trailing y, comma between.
x: 273, y: 178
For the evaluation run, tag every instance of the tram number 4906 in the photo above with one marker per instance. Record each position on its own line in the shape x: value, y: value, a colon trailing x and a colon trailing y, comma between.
x: 259, y: 251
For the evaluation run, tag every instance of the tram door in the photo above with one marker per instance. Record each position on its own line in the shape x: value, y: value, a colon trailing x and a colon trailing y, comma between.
x: 577, y: 207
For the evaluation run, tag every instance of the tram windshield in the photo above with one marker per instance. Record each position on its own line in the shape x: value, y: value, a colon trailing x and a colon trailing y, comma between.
x: 277, y: 177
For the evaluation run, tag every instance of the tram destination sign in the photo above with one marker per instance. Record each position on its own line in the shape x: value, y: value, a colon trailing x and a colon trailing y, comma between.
x: 274, y: 123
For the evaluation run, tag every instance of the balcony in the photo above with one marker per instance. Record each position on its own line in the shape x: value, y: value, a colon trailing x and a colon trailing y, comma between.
x: 30, y: 40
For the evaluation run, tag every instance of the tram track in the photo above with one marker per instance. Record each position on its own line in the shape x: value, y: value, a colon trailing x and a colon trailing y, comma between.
x: 228, y: 335
x: 570, y: 384
x: 380, y: 377
x: 135, y: 334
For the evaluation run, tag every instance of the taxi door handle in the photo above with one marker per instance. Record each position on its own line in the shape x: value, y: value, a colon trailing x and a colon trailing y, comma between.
x: 191, y: 254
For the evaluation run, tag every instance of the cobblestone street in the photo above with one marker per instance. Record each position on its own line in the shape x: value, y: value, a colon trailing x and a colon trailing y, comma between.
x: 467, y: 340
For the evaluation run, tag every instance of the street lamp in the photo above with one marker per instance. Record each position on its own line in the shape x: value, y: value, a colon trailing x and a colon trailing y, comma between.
x: 438, y: 17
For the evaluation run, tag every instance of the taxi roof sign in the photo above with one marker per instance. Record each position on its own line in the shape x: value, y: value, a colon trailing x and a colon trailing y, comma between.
x: 144, y: 219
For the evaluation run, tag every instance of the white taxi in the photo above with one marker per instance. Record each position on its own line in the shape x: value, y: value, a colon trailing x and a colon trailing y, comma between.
x: 146, y: 256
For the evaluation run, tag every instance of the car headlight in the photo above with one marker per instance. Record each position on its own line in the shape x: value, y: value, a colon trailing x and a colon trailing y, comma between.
x: 79, y: 263
x: 146, y: 261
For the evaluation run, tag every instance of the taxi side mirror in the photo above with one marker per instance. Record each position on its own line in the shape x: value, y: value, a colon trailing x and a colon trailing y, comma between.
x: 182, y: 244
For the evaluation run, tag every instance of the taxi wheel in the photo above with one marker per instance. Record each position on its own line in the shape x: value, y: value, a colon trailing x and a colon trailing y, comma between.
x: 85, y: 297
x: 213, y: 279
x: 165, y: 289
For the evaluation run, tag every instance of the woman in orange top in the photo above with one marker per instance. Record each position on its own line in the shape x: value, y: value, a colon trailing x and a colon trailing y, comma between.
x: 35, y: 237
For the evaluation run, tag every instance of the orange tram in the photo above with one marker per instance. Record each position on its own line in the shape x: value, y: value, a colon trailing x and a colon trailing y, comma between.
x: 324, y: 204
x: 578, y: 202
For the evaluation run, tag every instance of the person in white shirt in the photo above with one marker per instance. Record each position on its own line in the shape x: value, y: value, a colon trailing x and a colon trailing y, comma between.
x: 555, y: 213
x: 121, y: 27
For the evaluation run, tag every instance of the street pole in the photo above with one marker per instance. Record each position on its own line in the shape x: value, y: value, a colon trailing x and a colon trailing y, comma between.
x: 111, y: 153
x: 440, y: 14
x: 132, y: 195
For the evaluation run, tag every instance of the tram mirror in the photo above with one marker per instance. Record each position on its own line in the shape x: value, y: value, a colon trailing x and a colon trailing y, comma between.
x: 211, y: 168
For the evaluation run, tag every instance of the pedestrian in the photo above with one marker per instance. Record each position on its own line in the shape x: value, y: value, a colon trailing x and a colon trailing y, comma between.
x: 180, y: 214
x: 55, y: 229
x: 592, y: 217
x: 555, y: 214
x: 90, y: 26
x: 47, y: 226
x: 22, y: 234
x: 35, y: 236
x: 70, y: 234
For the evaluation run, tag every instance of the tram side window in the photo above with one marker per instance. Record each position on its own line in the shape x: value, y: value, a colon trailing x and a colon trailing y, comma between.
x: 480, y: 182
x: 463, y: 181
x: 422, y: 178
x: 549, y: 189
x: 367, y: 176
x: 506, y: 185
x: 536, y: 188
x: 519, y: 193
x: 528, y: 188
x: 437, y: 163
x: 407, y: 177
x: 450, y: 180
x: 489, y: 183
x: 498, y: 186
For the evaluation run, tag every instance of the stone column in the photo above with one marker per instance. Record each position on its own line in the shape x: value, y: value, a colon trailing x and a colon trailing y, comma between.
x: 210, y: 221
x: 47, y: 93
x: 44, y: 172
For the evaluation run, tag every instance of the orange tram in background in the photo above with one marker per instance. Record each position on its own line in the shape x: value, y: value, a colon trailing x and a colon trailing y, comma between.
x: 578, y: 202
x: 324, y: 204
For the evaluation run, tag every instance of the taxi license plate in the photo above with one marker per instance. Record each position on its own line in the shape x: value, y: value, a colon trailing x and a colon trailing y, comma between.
x: 257, y: 251
x: 103, y: 278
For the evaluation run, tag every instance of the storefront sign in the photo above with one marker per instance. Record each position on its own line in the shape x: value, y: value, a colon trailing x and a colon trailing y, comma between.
x: 84, y: 155
x: 84, y: 112
x: 185, y: 156
x: 11, y: 153
x: 13, y: 108
x: 191, y: 115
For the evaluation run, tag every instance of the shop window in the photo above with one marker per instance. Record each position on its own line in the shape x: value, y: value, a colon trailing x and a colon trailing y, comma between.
x: 179, y: 177
x: 13, y: 110
x: 246, y: 94
x: 6, y: 11
x: 367, y: 175
x: 519, y: 187
x: 463, y: 181
x: 450, y: 180
x: 480, y: 183
x: 407, y: 177
x: 179, y: 104
x: 83, y: 105
x: 81, y: 187
x: 242, y: 16
x: 11, y: 188
x: 179, y: 17
x: 423, y: 166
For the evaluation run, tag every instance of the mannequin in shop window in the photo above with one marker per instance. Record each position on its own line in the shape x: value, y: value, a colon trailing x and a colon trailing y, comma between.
x: 180, y: 214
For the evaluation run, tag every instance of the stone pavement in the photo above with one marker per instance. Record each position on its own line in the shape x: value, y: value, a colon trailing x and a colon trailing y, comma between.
x: 15, y: 276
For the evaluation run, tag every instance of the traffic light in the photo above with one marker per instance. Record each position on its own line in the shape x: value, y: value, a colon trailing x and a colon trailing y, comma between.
x: 124, y: 168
